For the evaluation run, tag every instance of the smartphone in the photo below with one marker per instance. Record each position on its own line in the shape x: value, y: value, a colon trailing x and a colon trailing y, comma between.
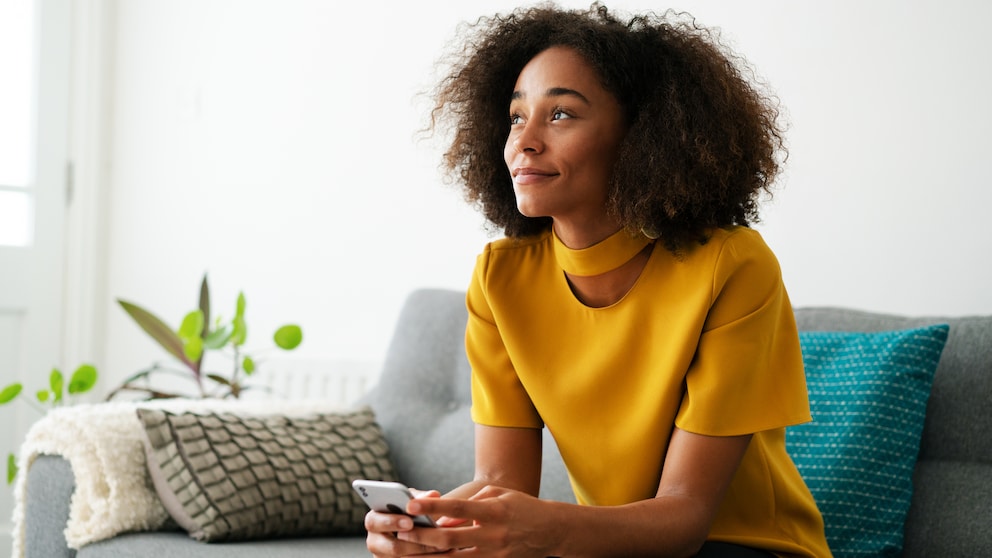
x: 389, y: 497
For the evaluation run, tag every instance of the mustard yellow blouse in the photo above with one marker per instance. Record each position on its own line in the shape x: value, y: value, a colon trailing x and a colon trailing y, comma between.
x: 705, y: 341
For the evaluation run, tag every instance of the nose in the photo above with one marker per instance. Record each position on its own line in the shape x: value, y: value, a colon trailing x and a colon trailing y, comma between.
x: 528, y: 138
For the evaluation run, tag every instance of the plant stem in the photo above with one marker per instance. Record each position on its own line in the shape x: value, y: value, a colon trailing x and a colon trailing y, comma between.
x: 36, y: 406
x: 154, y: 394
x: 234, y: 373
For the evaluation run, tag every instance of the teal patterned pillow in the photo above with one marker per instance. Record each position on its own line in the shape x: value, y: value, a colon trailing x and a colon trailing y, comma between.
x: 868, y: 396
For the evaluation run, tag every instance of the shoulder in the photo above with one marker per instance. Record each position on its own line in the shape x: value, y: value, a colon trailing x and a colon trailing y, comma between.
x: 742, y: 246
x: 727, y: 249
x: 501, y: 266
x: 738, y: 240
x: 745, y: 274
x: 511, y: 245
x: 515, y: 252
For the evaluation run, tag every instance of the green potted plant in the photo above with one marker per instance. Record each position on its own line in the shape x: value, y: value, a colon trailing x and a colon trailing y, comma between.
x: 188, y: 344
x: 56, y: 395
x: 195, y: 337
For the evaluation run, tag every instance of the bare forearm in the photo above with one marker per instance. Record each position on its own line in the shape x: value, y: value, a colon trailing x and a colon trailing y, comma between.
x: 507, y: 517
x: 698, y: 469
x: 509, y: 521
x: 663, y: 526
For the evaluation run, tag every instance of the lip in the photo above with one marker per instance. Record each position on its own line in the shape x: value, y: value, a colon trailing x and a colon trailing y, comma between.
x: 530, y: 175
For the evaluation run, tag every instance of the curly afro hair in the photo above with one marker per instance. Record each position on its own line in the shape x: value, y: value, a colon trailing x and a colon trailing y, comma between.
x: 703, y: 143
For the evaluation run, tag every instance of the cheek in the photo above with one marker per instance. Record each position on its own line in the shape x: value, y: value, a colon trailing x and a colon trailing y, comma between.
x: 596, y: 157
x: 606, y: 151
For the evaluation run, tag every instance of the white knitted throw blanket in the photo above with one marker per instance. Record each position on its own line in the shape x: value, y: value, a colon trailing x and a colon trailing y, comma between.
x: 103, y: 444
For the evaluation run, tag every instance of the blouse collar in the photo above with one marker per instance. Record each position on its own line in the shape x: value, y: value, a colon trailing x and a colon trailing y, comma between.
x: 606, y: 255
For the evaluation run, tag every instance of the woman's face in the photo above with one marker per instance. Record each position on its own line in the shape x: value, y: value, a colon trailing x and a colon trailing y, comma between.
x: 565, y: 132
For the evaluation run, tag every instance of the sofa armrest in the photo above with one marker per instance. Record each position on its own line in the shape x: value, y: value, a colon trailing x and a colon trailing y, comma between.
x: 50, y: 483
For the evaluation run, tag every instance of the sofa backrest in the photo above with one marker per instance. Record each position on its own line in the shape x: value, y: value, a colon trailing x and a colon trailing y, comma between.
x: 423, y: 397
x: 951, y: 508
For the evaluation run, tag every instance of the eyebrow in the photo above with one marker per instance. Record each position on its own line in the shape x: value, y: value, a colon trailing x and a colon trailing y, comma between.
x: 555, y: 92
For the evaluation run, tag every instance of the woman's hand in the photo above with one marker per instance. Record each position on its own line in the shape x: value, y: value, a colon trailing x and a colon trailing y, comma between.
x: 493, y: 522
x: 384, y: 529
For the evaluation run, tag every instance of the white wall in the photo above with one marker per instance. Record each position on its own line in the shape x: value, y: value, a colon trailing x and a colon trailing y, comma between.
x: 271, y: 143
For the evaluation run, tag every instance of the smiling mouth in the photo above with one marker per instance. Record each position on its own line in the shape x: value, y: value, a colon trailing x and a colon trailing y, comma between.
x: 525, y: 175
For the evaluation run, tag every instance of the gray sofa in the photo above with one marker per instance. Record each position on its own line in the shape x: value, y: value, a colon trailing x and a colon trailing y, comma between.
x: 422, y: 403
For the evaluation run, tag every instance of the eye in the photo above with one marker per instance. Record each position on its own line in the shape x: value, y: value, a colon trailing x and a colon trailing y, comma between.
x: 560, y: 114
x: 515, y: 119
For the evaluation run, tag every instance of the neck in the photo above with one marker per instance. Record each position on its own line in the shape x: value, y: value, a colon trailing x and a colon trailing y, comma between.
x: 602, y: 273
x: 579, y: 237
x: 606, y: 289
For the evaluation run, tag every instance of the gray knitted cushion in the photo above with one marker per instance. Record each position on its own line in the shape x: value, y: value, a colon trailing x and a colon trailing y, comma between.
x: 224, y: 477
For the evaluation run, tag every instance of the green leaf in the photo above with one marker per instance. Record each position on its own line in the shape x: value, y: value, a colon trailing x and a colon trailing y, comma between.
x: 239, y: 332
x: 205, y: 304
x: 288, y: 337
x: 249, y: 365
x: 138, y: 376
x: 240, y: 310
x: 158, y: 330
x: 10, y: 392
x: 83, y: 379
x: 57, y: 383
x: 217, y: 338
x: 190, y: 332
x: 192, y: 325
x: 43, y: 395
x: 193, y: 348
x: 219, y: 379
x: 11, y: 468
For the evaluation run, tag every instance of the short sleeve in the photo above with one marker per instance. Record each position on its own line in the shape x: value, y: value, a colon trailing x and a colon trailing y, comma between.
x: 747, y: 374
x: 498, y: 396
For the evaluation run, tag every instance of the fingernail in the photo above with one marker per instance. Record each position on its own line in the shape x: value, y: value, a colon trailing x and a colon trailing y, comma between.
x: 405, y: 523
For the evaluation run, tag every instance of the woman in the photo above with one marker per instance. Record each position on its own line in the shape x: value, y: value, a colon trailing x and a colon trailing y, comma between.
x: 629, y: 308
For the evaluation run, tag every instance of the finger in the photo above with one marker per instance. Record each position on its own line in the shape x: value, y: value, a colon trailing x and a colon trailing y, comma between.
x: 376, y: 522
x: 383, y: 545
x: 451, y: 508
x: 445, y: 521
x: 425, y: 493
x: 429, y: 539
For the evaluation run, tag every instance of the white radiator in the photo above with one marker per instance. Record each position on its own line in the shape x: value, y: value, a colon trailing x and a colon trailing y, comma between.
x: 337, y: 381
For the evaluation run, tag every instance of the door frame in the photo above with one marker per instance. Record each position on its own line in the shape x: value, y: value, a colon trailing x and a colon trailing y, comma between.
x: 86, y: 299
x: 79, y: 36
x: 40, y: 271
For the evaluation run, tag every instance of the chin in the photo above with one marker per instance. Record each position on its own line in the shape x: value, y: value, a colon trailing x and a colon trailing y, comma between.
x: 528, y: 211
x: 531, y: 206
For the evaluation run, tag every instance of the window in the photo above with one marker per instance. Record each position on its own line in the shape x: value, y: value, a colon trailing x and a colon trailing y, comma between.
x: 18, y: 57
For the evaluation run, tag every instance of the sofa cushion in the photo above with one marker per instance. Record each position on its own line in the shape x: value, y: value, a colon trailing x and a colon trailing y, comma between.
x: 957, y: 416
x: 228, y: 477
x: 868, y: 396
x: 175, y: 544
x: 178, y: 545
